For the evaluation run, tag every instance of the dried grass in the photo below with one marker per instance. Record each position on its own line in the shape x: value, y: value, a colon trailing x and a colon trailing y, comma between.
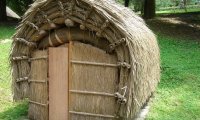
x: 38, y: 91
x: 92, y: 78
x: 140, y: 49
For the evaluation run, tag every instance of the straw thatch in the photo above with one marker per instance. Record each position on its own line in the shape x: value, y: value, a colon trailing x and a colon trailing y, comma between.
x: 92, y: 78
x: 38, y: 91
x: 101, y: 23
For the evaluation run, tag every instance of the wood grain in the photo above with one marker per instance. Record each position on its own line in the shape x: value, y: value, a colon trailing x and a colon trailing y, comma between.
x: 58, y: 83
x: 70, y: 76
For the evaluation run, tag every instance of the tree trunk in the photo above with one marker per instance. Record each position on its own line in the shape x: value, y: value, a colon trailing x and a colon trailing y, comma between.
x: 149, y: 9
x: 126, y: 4
x: 3, y: 15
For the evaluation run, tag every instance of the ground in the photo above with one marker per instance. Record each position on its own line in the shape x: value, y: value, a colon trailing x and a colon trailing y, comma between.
x: 177, y: 96
x: 181, y: 26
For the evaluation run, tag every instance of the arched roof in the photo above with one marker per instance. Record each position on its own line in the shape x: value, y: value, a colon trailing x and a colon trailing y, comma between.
x: 118, y: 27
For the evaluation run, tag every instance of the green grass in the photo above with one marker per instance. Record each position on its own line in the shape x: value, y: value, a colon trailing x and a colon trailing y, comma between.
x: 9, y: 110
x: 6, y: 31
x: 189, y: 10
x: 177, y: 96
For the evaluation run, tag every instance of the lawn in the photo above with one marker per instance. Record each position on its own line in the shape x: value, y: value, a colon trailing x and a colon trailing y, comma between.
x: 177, y: 96
x: 6, y: 31
x: 8, y: 109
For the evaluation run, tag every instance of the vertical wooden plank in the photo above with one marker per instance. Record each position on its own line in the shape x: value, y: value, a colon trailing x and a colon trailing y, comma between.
x: 70, y: 77
x: 58, y: 83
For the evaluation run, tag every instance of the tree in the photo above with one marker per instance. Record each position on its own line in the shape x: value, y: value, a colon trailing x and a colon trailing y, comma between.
x: 3, y: 15
x: 19, y: 6
x: 138, y: 5
x: 149, y: 9
x: 28, y: 3
x: 126, y: 4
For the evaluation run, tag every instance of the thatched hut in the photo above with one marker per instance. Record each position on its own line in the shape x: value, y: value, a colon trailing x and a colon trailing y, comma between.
x: 83, y: 60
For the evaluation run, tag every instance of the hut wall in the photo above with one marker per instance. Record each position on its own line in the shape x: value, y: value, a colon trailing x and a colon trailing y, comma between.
x: 88, y: 77
x: 38, y: 97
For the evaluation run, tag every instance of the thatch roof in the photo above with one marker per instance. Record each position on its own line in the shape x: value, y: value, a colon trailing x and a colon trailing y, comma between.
x: 125, y: 33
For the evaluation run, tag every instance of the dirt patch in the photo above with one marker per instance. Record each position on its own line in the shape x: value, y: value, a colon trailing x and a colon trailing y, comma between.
x: 181, y: 26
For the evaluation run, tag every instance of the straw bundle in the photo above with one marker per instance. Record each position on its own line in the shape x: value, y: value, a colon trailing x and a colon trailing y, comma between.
x: 101, y: 23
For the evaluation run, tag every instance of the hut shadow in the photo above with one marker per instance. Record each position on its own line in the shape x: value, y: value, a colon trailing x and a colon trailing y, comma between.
x: 18, y: 112
x: 181, y: 26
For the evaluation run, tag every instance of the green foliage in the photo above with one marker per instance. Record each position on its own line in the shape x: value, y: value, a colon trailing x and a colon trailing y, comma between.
x: 166, y: 3
x: 19, y: 6
x: 137, y: 5
x: 160, y: 4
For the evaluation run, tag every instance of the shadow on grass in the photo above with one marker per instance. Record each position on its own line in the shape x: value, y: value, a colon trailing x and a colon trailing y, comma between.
x: 181, y: 26
x: 18, y: 112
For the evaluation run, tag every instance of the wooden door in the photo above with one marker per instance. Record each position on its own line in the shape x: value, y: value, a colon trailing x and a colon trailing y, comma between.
x: 58, y: 83
x: 86, y: 81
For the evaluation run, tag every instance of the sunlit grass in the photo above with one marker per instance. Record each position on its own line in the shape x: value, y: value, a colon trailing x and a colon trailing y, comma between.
x: 175, y: 11
x: 9, y: 110
x: 178, y: 96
